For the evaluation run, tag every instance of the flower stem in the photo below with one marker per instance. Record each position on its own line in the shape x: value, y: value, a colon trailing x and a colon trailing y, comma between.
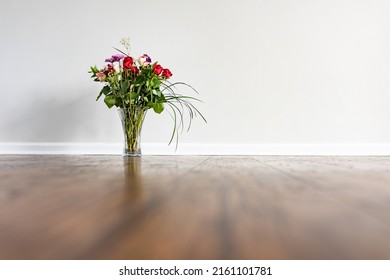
x: 132, y: 120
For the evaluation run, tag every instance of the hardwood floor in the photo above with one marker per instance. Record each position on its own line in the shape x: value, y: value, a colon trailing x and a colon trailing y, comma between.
x: 194, y: 207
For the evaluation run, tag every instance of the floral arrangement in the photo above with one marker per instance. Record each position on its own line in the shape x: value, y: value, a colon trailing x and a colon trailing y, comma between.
x: 137, y: 85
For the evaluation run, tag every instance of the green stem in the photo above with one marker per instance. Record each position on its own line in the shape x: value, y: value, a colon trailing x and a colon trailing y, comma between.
x: 132, y: 122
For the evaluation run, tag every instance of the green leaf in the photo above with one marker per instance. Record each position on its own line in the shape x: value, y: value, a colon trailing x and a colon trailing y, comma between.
x: 110, y: 100
x: 100, y: 94
x: 94, y: 70
x: 118, y: 102
x: 161, y: 98
x: 125, y: 86
x: 156, y: 92
x: 155, y: 82
x: 105, y: 90
x: 133, y: 95
x: 158, y: 107
x: 139, y: 80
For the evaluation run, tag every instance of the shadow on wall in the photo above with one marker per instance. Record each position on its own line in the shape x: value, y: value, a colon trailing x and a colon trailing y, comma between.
x: 69, y: 116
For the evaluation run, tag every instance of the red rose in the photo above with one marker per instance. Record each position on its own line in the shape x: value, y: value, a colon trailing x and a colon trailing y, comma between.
x: 157, y: 69
x: 166, y: 73
x: 134, y: 70
x: 128, y: 62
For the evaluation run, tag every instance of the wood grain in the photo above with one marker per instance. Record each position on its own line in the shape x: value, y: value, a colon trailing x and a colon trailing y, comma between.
x: 194, y: 207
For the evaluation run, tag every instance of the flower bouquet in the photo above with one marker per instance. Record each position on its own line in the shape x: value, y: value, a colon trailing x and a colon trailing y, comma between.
x: 134, y: 87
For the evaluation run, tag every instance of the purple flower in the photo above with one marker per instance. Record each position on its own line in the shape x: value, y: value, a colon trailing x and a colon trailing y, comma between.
x: 114, y: 58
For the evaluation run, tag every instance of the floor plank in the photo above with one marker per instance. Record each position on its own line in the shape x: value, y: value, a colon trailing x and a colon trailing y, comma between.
x: 194, y: 207
x: 362, y: 183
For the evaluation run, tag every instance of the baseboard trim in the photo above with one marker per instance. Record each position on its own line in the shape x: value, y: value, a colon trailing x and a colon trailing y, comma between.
x: 199, y: 149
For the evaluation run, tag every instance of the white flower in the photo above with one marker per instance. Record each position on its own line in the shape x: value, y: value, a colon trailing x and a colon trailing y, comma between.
x: 144, y: 60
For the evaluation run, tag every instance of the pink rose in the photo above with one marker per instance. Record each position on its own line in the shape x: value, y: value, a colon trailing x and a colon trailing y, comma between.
x: 101, y: 76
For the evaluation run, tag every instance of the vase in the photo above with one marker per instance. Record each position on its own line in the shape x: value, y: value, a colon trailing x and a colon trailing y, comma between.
x: 132, y: 119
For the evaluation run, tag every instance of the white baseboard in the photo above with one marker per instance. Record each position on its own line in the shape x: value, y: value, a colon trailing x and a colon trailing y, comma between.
x: 199, y: 149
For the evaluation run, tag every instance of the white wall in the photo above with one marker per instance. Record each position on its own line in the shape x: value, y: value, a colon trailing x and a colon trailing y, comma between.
x: 271, y: 71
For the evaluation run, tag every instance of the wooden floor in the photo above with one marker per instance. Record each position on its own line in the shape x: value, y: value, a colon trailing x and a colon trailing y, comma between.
x: 194, y: 207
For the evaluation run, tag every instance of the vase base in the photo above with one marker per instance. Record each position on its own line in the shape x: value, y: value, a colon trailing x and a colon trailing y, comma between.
x: 131, y: 154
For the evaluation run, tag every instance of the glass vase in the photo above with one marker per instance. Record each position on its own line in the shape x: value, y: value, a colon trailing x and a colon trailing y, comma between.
x: 132, y: 119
